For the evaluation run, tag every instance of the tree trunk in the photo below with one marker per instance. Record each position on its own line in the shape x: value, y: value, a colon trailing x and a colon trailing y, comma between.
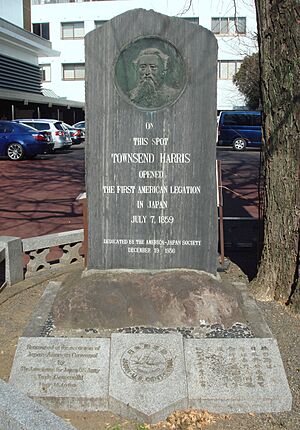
x: 279, y: 35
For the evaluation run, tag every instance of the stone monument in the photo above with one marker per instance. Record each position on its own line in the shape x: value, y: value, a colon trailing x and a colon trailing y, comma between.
x: 143, y: 344
x: 150, y: 156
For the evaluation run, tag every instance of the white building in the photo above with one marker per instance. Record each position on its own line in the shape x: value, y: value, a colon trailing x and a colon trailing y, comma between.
x: 65, y: 22
x: 21, y: 92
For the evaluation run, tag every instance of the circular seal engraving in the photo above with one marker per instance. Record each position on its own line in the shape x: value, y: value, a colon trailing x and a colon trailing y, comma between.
x: 147, y: 363
x: 150, y: 73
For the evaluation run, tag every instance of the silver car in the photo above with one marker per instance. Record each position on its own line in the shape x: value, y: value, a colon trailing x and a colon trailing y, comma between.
x: 80, y: 125
x: 60, y: 135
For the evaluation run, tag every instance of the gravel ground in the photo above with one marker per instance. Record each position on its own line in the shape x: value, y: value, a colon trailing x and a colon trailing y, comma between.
x: 17, y: 303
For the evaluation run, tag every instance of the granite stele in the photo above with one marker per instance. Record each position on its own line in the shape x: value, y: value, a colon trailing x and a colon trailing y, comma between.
x: 151, y: 144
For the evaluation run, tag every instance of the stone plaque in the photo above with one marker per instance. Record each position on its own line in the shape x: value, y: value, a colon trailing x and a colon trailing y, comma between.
x: 146, y: 64
x: 236, y: 375
x: 151, y: 144
x: 147, y: 375
x: 63, y: 373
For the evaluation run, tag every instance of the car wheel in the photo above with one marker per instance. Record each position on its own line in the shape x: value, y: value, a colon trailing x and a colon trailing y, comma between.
x: 239, y: 144
x: 15, y: 151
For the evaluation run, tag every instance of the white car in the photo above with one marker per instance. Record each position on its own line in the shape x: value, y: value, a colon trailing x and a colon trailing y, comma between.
x: 60, y: 135
x: 80, y: 125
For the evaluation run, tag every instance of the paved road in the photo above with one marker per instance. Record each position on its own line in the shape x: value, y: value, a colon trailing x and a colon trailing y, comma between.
x: 241, y: 182
x: 39, y: 196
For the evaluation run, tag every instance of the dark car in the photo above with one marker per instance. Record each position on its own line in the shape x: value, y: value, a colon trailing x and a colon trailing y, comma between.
x: 77, y: 135
x: 18, y: 141
x: 240, y: 129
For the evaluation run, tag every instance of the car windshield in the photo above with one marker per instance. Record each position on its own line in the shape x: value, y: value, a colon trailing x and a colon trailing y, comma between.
x: 41, y: 125
x: 80, y: 125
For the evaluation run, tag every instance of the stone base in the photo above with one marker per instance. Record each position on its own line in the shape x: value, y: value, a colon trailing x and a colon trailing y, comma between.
x: 148, y: 376
x: 196, y: 302
x: 145, y: 344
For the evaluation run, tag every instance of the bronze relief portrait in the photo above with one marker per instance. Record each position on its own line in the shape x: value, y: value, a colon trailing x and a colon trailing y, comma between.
x: 150, y: 73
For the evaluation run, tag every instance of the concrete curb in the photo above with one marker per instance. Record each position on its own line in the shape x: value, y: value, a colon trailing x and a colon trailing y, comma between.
x: 19, y: 412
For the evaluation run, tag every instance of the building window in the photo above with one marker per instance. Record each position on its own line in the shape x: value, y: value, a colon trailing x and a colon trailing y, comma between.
x: 99, y: 23
x: 72, y: 30
x: 228, y: 25
x: 41, y: 29
x: 46, y: 72
x: 228, y: 68
x: 193, y: 20
x: 73, y: 72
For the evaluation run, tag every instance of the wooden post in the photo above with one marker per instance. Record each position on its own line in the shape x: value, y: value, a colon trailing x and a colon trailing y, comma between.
x: 220, y: 206
x: 83, y: 199
x: 85, y: 231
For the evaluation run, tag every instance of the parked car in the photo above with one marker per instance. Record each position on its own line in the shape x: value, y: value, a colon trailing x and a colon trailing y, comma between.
x: 60, y: 136
x: 77, y: 135
x: 18, y: 141
x: 80, y: 125
x: 240, y: 129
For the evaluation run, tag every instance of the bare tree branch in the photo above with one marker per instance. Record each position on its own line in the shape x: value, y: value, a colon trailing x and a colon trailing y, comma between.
x: 235, y: 16
x: 186, y: 8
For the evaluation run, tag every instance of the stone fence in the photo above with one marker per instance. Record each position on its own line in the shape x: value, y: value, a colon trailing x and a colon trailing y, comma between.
x: 27, y: 257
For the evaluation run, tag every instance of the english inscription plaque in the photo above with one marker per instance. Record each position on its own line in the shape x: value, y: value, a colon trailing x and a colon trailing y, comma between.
x: 150, y: 158
x: 63, y: 373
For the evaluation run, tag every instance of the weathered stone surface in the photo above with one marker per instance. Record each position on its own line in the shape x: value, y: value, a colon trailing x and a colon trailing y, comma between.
x: 147, y: 376
x: 36, y: 325
x: 63, y: 373
x: 19, y: 412
x: 151, y: 132
x: 236, y: 375
x: 162, y: 299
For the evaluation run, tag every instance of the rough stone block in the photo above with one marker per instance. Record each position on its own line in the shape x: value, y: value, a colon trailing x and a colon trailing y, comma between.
x: 19, y: 412
x: 36, y: 325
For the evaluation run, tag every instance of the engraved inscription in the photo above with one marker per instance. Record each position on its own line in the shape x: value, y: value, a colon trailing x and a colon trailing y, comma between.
x: 152, y: 199
x: 60, y: 372
x: 61, y: 367
x: 147, y: 363
x: 234, y: 367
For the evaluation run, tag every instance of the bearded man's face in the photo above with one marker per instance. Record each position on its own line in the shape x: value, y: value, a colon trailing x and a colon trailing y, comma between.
x: 150, y: 69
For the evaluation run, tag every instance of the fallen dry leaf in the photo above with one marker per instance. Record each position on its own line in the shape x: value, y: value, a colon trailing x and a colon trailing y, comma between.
x: 190, y: 419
